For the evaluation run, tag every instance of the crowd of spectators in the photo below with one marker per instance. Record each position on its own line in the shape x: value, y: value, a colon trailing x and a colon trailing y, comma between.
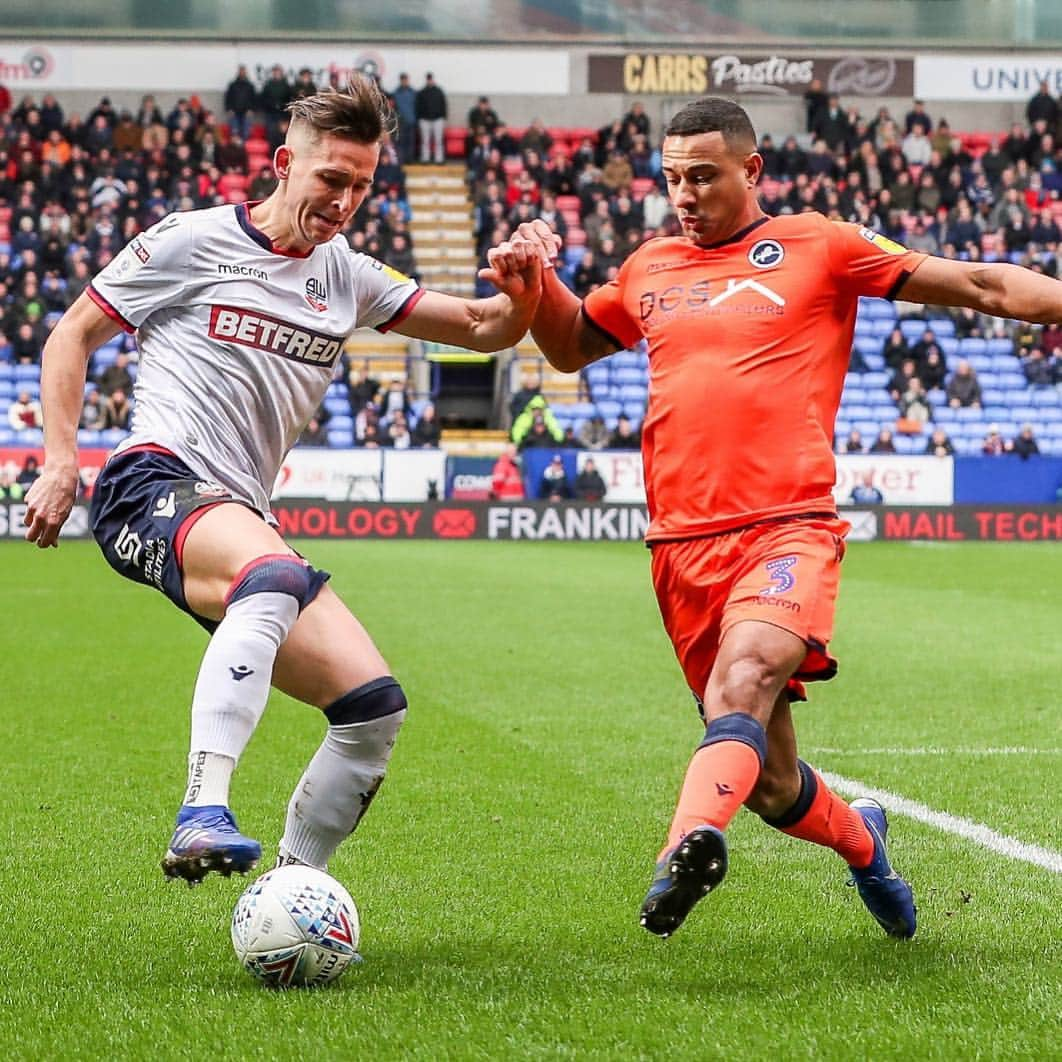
x: 74, y: 190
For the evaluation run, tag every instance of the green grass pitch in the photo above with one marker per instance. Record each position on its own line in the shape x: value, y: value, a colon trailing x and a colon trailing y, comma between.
x: 500, y: 871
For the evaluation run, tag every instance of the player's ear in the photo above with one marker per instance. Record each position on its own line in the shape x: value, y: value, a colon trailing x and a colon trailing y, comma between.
x: 753, y: 168
x: 282, y: 161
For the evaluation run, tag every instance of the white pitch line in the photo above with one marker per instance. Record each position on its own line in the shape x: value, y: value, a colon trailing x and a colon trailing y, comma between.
x: 935, y: 750
x: 941, y: 820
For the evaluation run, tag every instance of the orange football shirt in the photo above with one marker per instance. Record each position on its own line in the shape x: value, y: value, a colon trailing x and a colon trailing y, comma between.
x: 749, y: 341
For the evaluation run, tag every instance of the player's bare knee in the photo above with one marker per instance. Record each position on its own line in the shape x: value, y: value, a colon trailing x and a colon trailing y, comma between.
x: 750, y: 683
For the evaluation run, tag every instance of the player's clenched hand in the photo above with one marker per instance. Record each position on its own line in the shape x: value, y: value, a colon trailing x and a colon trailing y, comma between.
x: 514, y: 267
x: 48, y: 504
x: 546, y: 241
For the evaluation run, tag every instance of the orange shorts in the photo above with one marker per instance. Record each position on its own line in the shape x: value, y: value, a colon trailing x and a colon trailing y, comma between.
x: 784, y: 572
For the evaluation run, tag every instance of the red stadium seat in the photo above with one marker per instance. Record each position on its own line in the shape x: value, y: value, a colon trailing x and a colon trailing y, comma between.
x: 576, y: 236
x: 233, y: 182
x: 568, y: 202
x: 640, y: 186
x: 512, y: 166
x: 454, y: 139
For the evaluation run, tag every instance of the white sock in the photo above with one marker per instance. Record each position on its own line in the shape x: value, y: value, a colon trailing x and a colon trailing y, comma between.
x: 232, y: 689
x: 337, y: 788
x: 208, y: 779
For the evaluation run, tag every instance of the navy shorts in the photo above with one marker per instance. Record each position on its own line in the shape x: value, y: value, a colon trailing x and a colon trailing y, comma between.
x: 144, y: 503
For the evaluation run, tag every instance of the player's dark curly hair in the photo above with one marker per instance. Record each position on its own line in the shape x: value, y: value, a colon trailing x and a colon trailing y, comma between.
x: 713, y: 114
x: 359, y: 111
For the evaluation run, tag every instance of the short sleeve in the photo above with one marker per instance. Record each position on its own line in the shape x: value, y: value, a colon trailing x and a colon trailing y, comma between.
x: 149, y: 273
x: 867, y: 263
x: 606, y: 311
x: 384, y: 296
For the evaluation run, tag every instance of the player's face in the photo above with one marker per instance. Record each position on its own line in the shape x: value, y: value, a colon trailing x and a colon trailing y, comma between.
x: 710, y: 185
x: 327, y: 181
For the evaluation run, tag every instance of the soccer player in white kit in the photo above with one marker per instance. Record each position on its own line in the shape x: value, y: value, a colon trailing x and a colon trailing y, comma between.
x: 240, y: 314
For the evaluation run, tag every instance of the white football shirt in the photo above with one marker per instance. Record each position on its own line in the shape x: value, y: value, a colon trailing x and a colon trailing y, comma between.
x: 238, y: 340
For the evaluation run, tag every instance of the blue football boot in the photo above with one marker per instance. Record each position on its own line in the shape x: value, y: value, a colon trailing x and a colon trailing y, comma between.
x: 207, y: 839
x: 695, y: 866
x: 886, y: 895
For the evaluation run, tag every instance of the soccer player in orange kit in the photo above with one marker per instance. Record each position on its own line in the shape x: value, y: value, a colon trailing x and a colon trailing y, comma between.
x: 749, y: 321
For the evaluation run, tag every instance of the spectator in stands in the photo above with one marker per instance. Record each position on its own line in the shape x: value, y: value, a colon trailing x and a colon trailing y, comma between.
x: 968, y: 322
x: 361, y: 388
x: 313, y: 434
x: 917, y: 118
x: 916, y: 147
x: 405, y: 101
x: 530, y: 388
x: 431, y: 111
x: 1051, y: 339
x: 116, y: 377
x: 1024, y: 444
x: 939, y: 445
x: 624, y: 437
x: 1043, y: 107
x: 932, y: 369
x: 26, y: 344
x: 29, y: 472
x: 832, y: 125
x: 815, y: 101
x: 537, y: 427
x: 914, y: 404
x: 241, y: 99
x: 304, y: 85
x: 594, y: 435
x: 901, y: 379
x: 896, y: 350
x: 993, y: 444
x: 482, y: 118
x: 589, y: 485
x: 865, y: 493
x: 274, y: 98
x: 92, y: 411
x: 1040, y: 370
x: 536, y: 138
x: 117, y: 410
x: 1045, y: 232
x: 24, y: 414
x: 371, y: 438
x: 427, y: 433
x: 964, y: 389
x: 554, y: 485
x: 617, y: 172
x: 571, y: 441
x: 883, y: 444
x: 397, y: 435
x: 10, y: 489
x: 854, y: 443
x: 507, y: 481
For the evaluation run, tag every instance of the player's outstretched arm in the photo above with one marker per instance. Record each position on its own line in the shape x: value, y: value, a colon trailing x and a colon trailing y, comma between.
x: 559, y: 327
x: 485, y: 325
x: 999, y: 289
x: 64, y: 363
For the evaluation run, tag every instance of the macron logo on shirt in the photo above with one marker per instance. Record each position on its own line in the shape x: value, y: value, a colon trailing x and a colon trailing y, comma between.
x: 259, y: 330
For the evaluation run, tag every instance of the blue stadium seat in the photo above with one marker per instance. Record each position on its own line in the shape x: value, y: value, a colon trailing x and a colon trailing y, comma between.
x: 876, y: 380
x: 854, y: 396
x: 972, y: 345
x: 912, y: 329
x: 1007, y: 362
x: 112, y: 437
x: 864, y: 326
x: 1051, y: 415
x: 341, y: 422
x: 573, y: 255
x: 874, y: 362
x: 883, y: 326
x: 27, y: 372
x: 879, y: 308
x: 868, y: 344
x: 997, y: 346
x: 968, y: 413
x: 88, y: 437
x: 582, y: 409
x: 8, y: 437
x: 628, y: 374
x: 1053, y: 429
x: 609, y: 409
x: 867, y: 428
x: 1000, y: 412
x: 987, y: 379
x: 942, y: 326
x: 950, y: 346
x: 859, y: 412
x: 886, y: 411
x: 32, y: 386
x: 1017, y: 396
x: 1012, y: 380
x: 633, y: 393
x: 1024, y: 413
x: 1046, y: 396
x: 340, y: 439
x: 635, y: 411
x: 946, y: 415
x: 7, y: 390
x: 629, y: 359
x: 980, y: 362
x: 336, y: 406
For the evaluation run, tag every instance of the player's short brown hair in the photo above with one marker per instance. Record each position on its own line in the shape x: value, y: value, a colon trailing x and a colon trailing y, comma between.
x: 359, y: 111
x: 713, y: 114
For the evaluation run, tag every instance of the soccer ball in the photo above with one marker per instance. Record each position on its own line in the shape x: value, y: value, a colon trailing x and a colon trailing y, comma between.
x: 295, y: 926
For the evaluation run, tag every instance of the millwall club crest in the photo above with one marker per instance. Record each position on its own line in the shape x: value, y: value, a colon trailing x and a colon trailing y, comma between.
x: 316, y: 295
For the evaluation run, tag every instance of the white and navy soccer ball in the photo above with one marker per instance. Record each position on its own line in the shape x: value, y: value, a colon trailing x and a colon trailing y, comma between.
x: 295, y: 926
